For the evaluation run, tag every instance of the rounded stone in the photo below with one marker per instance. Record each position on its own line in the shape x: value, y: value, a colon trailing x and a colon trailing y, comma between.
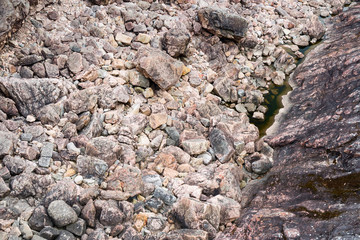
x: 61, y: 213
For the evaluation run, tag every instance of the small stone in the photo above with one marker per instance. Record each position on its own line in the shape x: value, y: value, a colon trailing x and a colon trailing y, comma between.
x: 195, y: 146
x: 78, y: 228
x: 25, y: 72
x: 148, y: 93
x: 164, y: 195
x: 53, y: 15
x: 30, y: 118
x: 143, y: 38
x: 74, y: 63
x: 49, y: 232
x: 157, y: 119
x: 26, y: 137
x: 52, y: 70
x: 30, y: 60
x: 26, y: 231
x: 259, y: 116
x: 44, y: 162
x: 122, y: 38
x: 72, y: 148
x: 78, y: 179
x: 61, y: 213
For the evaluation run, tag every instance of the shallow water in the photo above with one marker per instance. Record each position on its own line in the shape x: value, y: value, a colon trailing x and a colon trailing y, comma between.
x: 273, y: 99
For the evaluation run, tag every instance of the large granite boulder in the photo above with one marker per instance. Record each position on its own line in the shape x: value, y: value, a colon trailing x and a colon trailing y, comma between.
x: 30, y: 95
x: 222, y: 23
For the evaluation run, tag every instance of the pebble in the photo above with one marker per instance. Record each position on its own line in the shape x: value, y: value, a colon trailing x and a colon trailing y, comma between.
x: 78, y: 179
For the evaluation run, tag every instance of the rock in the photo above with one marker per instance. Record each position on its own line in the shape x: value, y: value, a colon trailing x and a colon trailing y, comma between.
x: 16, y: 165
x: 82, y: 101
x: 195, y: 146
x: 164, y: 195
x: 74, y: 63
x: 91, y: 166
x: 61, y: 213
x: 222, y: 23
x: 187, y: 234
x: 39, y: 70
x: 143, y: 38
x: 49, y: 232
x: 136, y: 79
x: 130, y: 178
x: 32, y: 94
x: 222, y: 87
x: 122, y: 38
x: 78, y: 228
x: 11, y: 17
x: 39, y: 219
x: 88, y: 213
x: 175, y: 41
x: 25, y: 72
x: 259, y: 116
x: 191, y: 212
x: 7, y: 143
x: 112, y: 97
x: 111, y: 215
x: 229, y: 208
x: 222, y: 145
x: 159, y: 67
x: 30, y: 60
x: 63, y: 190
x: 157, y: 119
x: 8, y: 106
x: 314, y: 28
x: 26, y: 231
x: 4, y: 188
x: 52, y: 70
x: 302, y: 40
x: 65, y: 235
x: 106, y: 148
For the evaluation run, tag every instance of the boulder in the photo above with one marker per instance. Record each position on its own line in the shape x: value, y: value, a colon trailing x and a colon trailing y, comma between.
x: 175, y: 41
x: 30, y: 95
x: 159, y: 67
x: 7, y: 143
x: 222, y: 23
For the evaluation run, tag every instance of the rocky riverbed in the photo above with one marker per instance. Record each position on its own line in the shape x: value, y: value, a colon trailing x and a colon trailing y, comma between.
x: 131, y: 120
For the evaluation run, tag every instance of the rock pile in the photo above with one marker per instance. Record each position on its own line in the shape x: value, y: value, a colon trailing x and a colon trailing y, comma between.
x: 131, y: 120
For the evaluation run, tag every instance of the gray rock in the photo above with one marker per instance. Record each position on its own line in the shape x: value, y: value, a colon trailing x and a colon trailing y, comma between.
x: 159, y: 67
x: 4, y: 188
x: 44, y: 162
x: 52, y: 70
x: 175, y: 41
x: 30, y: 60
x: 25, y: 72
x: 222, y: 87
x: 16, y: 165
x: 49, y: 232
x: 74, y: 63
x: 11, y: 15
x: 61, y: 213
x: 78, y: 228
x: 66, y: 235
x: 47, y: 149
x: 91, y: 166
x: 39, y: 219
x: 261, y: 166
x: 164, y: 195
x: 229, y: 208
x: 221, y: 145
x: 26, y: 137
x: 37, y: 237
x: 39, y: 70
x: 187, y: 234
x: 7, y: 142
x: 26, y: 231
x: 32, y: 94
x: 222, y: 23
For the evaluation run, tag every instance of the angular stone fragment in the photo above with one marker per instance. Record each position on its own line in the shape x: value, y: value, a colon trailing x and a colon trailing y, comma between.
x: 32, y: 94
x: 195, y: 146
x: 159, y: 67
x: 39, y: 219
x: 222, y: 145
x: 11, y: 15
x: 74, y: 62
x: 229, y: 208
x: 175, y: 41
x: 186, y: 234
x: 222, y: 23
x: 7, y: 141
x: 91, y: 166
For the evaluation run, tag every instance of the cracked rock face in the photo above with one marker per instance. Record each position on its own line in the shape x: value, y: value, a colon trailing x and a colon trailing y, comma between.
x: 12, y: 13
x: 316, y: 174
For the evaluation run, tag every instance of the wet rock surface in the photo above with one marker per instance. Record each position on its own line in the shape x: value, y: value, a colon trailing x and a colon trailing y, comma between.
x: 315, y: 178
